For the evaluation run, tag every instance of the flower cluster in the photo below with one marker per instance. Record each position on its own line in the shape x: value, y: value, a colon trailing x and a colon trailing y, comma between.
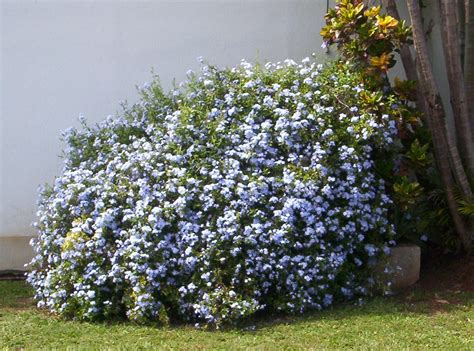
x: 245, y: 189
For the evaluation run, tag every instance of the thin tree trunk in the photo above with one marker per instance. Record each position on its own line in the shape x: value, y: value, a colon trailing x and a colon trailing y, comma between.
x: 408, y: 62
x: 445, y: 151
x: 461, y: 13
x: 469, y: 59
x: 452, y: 54
x: 444, y: 148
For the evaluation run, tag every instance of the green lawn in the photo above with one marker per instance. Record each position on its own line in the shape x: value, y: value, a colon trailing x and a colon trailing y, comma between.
x: 419, y: 320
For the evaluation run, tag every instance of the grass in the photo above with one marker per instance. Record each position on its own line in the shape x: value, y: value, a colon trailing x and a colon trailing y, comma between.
x: 416, y: 321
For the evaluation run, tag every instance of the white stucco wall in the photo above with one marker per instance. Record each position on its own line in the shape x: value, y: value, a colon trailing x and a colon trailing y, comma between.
x: 63, y: 58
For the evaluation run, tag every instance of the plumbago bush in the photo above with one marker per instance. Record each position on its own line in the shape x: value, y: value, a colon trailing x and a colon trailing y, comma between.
x: 243, y: 190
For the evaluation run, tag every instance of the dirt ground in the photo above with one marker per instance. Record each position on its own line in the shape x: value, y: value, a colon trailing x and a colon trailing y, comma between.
x: 444, y: 282
x: 447, y: 273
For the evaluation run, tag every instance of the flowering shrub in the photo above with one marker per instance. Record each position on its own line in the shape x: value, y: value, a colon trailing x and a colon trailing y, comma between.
x: 246, y: 189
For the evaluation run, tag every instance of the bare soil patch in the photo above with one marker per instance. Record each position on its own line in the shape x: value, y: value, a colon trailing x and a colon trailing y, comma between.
x: 447, y: 273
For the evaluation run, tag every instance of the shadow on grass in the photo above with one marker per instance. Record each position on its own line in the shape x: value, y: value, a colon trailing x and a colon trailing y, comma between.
x: 411, y: 302
x: 17, y: 295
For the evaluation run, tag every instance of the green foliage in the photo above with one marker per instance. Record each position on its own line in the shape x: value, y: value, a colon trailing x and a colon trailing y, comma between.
x: 418, y: 154
x: 466, y: 207
x: 407, y: 192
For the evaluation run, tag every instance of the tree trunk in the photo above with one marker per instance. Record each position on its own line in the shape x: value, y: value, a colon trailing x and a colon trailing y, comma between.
x: 461, y: 13
x: 469, y: 59
x: 446, y: 153
x: 408, y: 62
x: 452, y: 54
